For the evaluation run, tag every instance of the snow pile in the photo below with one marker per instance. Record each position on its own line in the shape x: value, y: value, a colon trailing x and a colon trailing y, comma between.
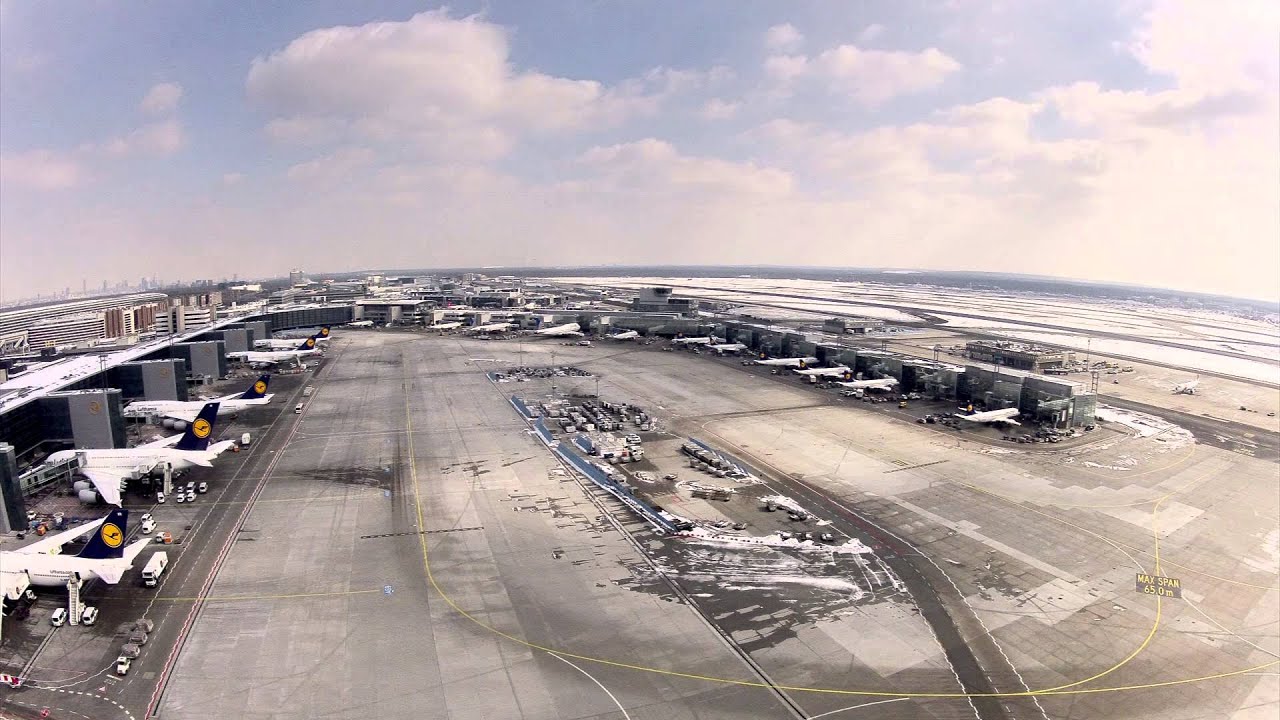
x: 1145, y: 426
x: 785, y: 503
x: 852, y: 546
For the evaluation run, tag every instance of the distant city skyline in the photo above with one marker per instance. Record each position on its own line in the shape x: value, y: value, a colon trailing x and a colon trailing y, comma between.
x: 223, y: 138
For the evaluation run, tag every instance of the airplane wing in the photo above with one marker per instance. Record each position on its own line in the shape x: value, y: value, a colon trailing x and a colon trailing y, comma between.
x: 106, y: 482
x: 164, y: 441
x: 111, y: 571
x: 52, y: 543
x: 185, y: 414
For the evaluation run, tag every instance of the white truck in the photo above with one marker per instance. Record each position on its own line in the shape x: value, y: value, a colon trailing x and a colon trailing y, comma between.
x: 155, y: 568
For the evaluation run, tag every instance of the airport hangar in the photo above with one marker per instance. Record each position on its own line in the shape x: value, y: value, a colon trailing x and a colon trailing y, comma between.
x: 78, y: 401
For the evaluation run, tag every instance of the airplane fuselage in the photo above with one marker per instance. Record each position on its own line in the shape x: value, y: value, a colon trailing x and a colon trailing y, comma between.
x: 126, y: 459
x: 55, y: 570
x: 161, y: 407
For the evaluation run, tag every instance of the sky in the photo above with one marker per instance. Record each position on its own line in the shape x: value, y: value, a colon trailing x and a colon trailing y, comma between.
x: 1118, y: 140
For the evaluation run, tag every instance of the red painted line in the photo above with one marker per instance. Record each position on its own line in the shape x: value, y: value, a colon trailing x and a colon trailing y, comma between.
x: 213, y: 573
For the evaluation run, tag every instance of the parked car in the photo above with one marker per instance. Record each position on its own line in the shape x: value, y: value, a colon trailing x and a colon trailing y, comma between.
x: 89, y: 616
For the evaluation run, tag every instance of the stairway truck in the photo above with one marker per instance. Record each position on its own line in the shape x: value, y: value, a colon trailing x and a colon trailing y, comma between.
x: 154, y: 568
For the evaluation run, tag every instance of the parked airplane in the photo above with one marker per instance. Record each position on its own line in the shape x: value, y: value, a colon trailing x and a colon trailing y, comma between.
x: 723, y: 348
x: 186, y: 411
x: 880, y: 384
x: 445, y: 326
x: 1187, y: 388
x: 628, y: 335
x: 273, y: 357
x: 788, y: 362
x: 1006, y: 416
x: 693, y: 341
x: 491, y: 327
x: 840, y: 371
x: 42, y: 563
x: 290, y: 343
x: 360, y: 323
x: 107, y: 468
x: 566, y: 330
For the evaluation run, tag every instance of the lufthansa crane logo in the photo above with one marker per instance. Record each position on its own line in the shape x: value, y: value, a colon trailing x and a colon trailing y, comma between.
x: 201, y: 428
x: 324, y: 332
x: 259, y: 387
x: 111, y: 535
x: 95, y: 407
x: 311, y: 342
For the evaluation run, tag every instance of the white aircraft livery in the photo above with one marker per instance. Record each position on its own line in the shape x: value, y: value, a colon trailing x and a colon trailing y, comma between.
x: 628, y: 335
x: 1006, y: 415
x: 727, y: 347
x: 187, y: 411
x: 445, y: 326
x: 272, y: 357
x: 360, y: 323
x: 566, y: 330
x: 492, y: 327
x: 880, y: 384
x: 840, y: 371
x: 106, y: 469
x: 694, y: 341
x: 41, y: 563
x: 788, y: 362
x: 1187, y: 388
x: 288, y: 343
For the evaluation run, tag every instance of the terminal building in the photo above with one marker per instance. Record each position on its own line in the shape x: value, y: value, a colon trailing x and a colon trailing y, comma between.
x: 660, y: 300
x: 1018, y: 355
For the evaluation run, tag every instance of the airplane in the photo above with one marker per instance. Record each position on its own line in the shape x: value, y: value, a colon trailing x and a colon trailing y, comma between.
x: 566, y: 330
x: 788, y: 362
x: 840, y: 371
x: 445, y: 326
x: 186, y: 411
x: 360, y: 323
x: 727, y: 347
x: 42, y: 563
x: 1006, y: 416
x: 272, y: 357
x: 290, y: 343
x: 1187, y: 388
x: 628, y: 335
x: 693, y: 341
x: 881, y: 384
x: 491, y: 327
x: 106, y: 469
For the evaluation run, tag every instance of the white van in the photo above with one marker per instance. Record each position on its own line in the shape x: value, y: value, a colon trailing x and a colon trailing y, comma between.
x: 59, y: 617
x: 298, y: 409
x: 89, y: 616
x: 245, y: 440
x: 160, y: 496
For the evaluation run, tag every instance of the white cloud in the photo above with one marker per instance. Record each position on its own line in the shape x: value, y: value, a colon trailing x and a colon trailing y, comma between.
x: 652, y: 166
x: 433, y: 80
x: 869, y: 77
x: 333, y: 167
x: 161, y: 138
x: 1212, y: 47
x: 232, y: 178
x: 870, y: 32
x: 717, y: 109
x: 41, y: 170
x: 783, y: 37
x: 161, y: 99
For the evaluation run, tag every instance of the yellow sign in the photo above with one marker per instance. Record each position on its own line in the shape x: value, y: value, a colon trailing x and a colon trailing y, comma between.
x: 259, y: 387
x: 95, y: 407
x: 201, y: 428
x: 1157, y: 585
x: 311, y: 342
x: 111, y: 535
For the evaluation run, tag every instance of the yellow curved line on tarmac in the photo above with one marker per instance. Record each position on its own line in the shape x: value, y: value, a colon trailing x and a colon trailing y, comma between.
x: 1069, y: 689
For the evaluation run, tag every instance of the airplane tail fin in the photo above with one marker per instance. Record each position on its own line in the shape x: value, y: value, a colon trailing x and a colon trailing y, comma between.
x: 324, y: 332
x: 108, y: 541
x: 308, y: 344
x: 200, y: 430
x: 258, y: 389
